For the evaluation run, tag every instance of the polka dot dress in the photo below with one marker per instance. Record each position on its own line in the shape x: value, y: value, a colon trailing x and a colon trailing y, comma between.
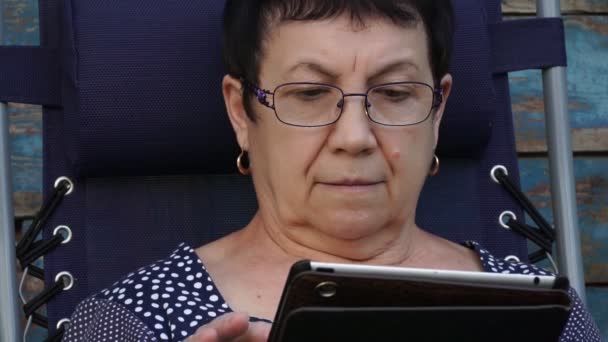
x: 169, y: 299
x: 580, y: 326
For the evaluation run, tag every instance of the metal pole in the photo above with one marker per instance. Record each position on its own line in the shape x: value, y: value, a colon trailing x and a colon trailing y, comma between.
x: 9, y: 310
x: 559, y: 143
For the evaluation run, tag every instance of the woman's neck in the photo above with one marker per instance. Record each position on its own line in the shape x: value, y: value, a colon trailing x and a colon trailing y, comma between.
x: 399, y: 246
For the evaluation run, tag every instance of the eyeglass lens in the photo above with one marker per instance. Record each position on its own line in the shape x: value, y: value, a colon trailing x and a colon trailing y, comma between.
x: 307, y: 104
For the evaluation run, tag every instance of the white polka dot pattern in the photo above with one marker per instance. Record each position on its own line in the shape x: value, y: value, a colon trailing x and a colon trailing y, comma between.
x: 103, y: 320
x: 580, y: 326
x: 169, y: 299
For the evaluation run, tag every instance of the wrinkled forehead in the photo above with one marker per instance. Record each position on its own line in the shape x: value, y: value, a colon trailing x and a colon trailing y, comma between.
x: 331, y: 49
x: 354, y: 15
x: 275, y: 12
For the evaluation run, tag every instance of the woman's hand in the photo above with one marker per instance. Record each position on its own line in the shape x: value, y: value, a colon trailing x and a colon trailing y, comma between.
x: 231, y: 327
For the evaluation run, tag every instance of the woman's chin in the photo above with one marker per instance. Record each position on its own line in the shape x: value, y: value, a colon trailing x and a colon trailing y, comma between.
x: 353, y: 226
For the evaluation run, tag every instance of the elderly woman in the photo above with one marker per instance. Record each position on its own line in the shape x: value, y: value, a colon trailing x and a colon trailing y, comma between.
x: 336, y: 106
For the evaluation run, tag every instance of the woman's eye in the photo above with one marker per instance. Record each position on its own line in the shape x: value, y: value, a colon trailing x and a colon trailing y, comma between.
x: 395, y: 94
x: 311, y: 93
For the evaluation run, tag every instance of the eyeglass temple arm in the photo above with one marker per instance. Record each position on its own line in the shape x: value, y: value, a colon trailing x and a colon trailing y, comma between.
x: 260, y: 94
x: 437, y: 97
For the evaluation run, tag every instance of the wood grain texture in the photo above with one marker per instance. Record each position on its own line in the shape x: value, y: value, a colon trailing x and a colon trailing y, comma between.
x: 587, y: 46
x: 592, y: 200
x: 597, y: 300
x: 20, y: 22
x: 21, y: 27
x: 25, y: 129
x: 567, y: 6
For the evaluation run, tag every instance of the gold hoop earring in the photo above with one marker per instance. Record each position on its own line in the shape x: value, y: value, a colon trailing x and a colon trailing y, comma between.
x: 434, y: 167
x: 239, y: 163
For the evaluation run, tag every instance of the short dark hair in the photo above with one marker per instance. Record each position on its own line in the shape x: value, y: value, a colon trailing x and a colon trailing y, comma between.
x: 247, y: 22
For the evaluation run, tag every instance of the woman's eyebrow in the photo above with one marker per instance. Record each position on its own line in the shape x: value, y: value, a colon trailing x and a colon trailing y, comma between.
x: 402, y: 65
x: 316, y: 68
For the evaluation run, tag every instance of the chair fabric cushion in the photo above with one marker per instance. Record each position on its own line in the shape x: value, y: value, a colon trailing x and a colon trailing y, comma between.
x: 143, y: 88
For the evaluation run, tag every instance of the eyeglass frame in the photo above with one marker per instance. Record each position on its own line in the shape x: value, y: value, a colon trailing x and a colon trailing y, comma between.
x: 262, y: 97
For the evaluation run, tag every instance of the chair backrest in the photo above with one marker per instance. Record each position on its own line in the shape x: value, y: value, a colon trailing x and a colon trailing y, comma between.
x: 137, y: 122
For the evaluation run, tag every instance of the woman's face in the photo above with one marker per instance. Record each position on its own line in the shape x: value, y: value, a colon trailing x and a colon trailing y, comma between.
x: 355, y: 177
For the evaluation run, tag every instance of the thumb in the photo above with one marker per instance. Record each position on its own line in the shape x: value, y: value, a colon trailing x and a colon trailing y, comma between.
x: 230, y: 325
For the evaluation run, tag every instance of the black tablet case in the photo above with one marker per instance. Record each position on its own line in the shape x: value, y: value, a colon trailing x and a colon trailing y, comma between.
x: 387, y: 309
x: 524, y: 323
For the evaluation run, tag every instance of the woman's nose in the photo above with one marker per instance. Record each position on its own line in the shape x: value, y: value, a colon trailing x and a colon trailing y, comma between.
x: 352, y: 133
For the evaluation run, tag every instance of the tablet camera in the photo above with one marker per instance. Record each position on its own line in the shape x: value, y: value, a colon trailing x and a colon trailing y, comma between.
x: 326, y: 289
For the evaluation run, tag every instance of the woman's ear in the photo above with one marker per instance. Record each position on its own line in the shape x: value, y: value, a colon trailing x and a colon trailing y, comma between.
x: 446, y: 86
x: 233, y: 97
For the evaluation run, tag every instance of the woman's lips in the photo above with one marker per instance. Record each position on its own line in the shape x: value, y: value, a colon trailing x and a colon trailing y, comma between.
x: 352, y: 186
x: 357, y: 183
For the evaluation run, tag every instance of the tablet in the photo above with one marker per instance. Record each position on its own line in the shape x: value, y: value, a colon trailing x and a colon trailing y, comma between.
x: 481, y: 278
x: 330, y: 301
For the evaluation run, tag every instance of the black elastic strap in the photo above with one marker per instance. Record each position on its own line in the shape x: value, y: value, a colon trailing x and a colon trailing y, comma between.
x: 38, y: 249
x: 42, y: 298
x: 29, y: 250
x: 43, y: 215
x: 544, y: 226
x: 57, y: 336
x: 20, y: 219
x: 537, y: 256
x: 531, y: 234
x: 36, y: 272
x: 40, y: 320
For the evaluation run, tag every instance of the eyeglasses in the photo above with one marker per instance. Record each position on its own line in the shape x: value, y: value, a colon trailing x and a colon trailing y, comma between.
x: 306, y: 104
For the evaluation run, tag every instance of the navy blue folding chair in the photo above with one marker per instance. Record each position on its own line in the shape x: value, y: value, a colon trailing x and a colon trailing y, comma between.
x: 139, y: 154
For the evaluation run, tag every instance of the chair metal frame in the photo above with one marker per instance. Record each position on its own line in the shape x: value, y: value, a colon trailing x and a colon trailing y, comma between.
x: 561, y: 172
x: 561, y: 165
x: 9, y: 310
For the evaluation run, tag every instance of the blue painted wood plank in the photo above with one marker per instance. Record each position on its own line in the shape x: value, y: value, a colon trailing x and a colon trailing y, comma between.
x: 597, y: 302
x: 20, y: 22
x: 567, y: 6
x: 25, y: 129
x: 587, y: 47
x: 592, y: 201
x: 21, y: 27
